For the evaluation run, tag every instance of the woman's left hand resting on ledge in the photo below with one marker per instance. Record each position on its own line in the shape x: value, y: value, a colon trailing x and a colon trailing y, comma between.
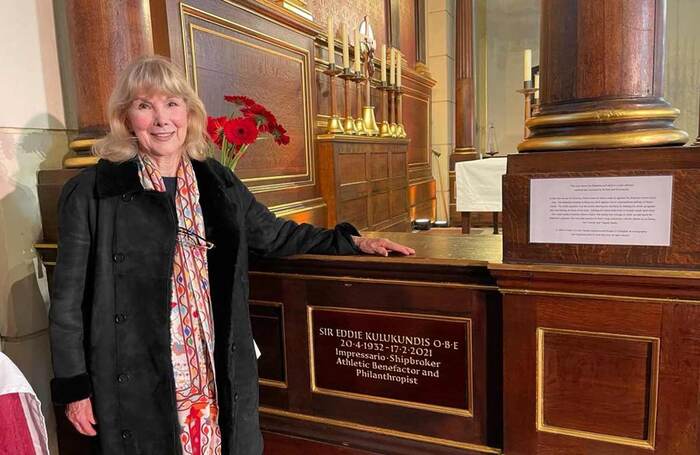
x: 381, y: 247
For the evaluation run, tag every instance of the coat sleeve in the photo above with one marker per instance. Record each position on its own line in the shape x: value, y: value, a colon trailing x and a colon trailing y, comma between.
x: 69, y: 294
x: 270, y: 236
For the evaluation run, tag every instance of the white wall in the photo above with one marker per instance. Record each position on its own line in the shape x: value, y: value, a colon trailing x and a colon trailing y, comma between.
x: 33, y: 136
x: 440, y: 33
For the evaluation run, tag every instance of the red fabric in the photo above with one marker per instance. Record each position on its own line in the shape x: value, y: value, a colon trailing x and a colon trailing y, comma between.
x: 14, y: 432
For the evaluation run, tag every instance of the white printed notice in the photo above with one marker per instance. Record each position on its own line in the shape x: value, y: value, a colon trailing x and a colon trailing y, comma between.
x: 602, y: 210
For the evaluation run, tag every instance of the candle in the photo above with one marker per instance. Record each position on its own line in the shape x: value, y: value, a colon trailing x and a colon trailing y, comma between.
x: 331, y: 40
x: 357, y: 51
x: 346, y: 48
x: 392, y: 66
x: 399, y: 60
x: 383, y: 66
x: 527, y: 65
x: 537, y: 86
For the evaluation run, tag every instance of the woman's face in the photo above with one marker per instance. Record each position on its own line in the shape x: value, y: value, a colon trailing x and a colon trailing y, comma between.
x: 159, y: 122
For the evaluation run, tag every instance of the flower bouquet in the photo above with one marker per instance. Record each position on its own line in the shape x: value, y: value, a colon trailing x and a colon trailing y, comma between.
x: 231, y: 136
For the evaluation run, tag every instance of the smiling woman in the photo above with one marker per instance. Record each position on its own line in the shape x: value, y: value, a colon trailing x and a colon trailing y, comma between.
x: 147, y: 278
x: 159, y: 123
x: 154, y: 92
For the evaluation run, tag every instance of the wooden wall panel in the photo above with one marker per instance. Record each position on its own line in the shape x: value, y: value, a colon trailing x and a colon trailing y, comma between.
x: 351, y: 12
x: 416, y: 120
x: 243, y: 60
x: 597, y: 383
x: 255, y: 50
x: 407, y: 32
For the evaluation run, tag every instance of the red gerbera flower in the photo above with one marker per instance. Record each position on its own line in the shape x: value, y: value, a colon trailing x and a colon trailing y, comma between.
x: 215, y: 129
x: 240, y: 100
x: 263, y: 118
x: 240, y: 131
x: 279, y: 133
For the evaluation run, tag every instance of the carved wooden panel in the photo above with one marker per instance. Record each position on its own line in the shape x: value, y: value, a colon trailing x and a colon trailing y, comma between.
x: 365, y: 182
x: 323, y: 107
x: 254, y: 49
x: 416, y: 119
x: 224, y: 57
x: 407, y: 33
x: 351, y: 12
x: 597, y: 384
x: 267, y: 322
x: 681, y: 163
x: 322, y: 406
x: 608, y: 355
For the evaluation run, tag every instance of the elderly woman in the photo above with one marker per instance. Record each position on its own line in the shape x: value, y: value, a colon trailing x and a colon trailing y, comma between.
x: 150, y: 331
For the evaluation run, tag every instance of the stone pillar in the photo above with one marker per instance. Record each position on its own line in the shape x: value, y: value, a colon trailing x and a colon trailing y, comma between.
x: 441, y: 53
x: 464, y: 98
x: 602, y: 77
x: 105, y: 36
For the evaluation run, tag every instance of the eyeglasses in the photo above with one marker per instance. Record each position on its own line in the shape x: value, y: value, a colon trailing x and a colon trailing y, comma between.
x: 193, y: 240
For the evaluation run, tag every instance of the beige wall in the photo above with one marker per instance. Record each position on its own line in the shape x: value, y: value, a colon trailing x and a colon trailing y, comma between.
x: 440, y: 32
x: 682, y: 66
x: 504, y: 29
x: 33, y: 136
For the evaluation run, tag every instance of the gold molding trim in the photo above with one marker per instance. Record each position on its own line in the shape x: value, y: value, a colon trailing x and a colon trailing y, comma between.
x: 45, y: 245
x: 272, y: 382
x: 640, y: 138
x: 380, y: 431
x: 347, y: 279
x: 303, y: 60
x: 602, y: 116
x: 292, y: 208
x: 595, y: 270
x: 81, y: 144
x: 297, y: 7
x: 464, y: 150
x: 423, y: 69
x: 653, y: 390
x: 362, y: 139
x: 598, y: 296
x: 273, y: 4
x: 76, y: 162
x: 469, y: 412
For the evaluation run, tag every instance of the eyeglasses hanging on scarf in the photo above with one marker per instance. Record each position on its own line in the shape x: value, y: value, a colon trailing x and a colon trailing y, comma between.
x: 192, y: 239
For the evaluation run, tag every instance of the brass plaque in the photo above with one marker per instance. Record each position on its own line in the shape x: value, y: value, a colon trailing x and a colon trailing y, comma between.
x: 414, y: 360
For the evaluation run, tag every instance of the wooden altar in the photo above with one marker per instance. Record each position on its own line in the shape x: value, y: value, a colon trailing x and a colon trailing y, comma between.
x: 360, y: 351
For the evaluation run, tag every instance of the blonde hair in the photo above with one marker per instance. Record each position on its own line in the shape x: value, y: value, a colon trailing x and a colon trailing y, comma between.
x: 150, y: 75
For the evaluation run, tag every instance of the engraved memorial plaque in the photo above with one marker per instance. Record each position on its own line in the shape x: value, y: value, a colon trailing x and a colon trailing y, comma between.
x: 414, y: 360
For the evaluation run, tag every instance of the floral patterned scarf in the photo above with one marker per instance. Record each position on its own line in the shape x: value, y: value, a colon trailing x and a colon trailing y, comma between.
x: 191, y: 325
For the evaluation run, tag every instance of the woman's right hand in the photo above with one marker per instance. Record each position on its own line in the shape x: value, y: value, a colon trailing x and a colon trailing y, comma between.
x: 80, y: 415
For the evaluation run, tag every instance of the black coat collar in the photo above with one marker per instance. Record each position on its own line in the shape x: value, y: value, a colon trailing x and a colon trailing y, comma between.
x: 114, y: 179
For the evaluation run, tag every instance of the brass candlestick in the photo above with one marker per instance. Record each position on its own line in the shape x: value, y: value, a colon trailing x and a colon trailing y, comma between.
x: 334, y: 126
x: 384, y: 130
x: 392, y: 111
x: 400, y: 130
x: 359, y: 123
x: 528, y: 90
x: 368, y: 120
x: 348, y: 121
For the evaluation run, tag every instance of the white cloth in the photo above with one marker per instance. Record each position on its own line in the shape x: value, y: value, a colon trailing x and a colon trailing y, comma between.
x: 479, y: 187
x: 13, y: 381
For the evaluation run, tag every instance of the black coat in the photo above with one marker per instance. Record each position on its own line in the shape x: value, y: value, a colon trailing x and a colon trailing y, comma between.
x: 110, y: 332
